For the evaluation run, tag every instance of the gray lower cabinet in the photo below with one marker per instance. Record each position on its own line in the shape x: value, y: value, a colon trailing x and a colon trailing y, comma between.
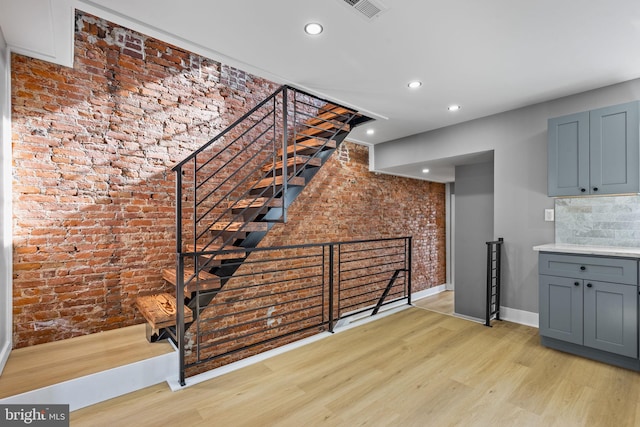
x: 580, y: 308
x: 611, y: 317
x: 561, y: 308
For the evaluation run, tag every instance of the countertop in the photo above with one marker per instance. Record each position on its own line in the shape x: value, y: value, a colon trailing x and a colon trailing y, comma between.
x: 620, y: 251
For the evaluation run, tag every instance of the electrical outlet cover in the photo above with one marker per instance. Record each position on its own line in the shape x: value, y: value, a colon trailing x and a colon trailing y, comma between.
x: 549, y: 215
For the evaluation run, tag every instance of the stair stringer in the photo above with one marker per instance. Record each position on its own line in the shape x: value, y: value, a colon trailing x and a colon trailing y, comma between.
x: 202, y: 299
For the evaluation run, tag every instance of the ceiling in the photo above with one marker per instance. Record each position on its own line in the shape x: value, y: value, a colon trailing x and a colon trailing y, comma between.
x: 486, y: 56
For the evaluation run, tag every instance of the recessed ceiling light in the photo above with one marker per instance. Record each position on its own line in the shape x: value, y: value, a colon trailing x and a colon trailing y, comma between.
x: 425, y: 170
x: 313, y: 28
x: 453, y: 107
x: 370, y: 131
x: 415, y: 84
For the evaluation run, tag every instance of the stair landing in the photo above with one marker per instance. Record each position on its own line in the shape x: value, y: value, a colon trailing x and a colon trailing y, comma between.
x: 121, y: 357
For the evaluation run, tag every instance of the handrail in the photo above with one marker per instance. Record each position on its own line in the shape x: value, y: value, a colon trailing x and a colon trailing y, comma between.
x: 227, y: 129
x: 241, y: 119
x: 284, y: 292
x: 217, y: 203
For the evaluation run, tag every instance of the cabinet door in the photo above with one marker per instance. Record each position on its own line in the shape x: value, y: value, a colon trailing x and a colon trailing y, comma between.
x: 568, y: 155
x: 614, y: 150
x: 611, y: 317
x: 561, y: 308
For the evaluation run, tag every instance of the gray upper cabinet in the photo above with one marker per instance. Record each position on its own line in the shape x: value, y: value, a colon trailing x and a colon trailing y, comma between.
x: 568, y: 153
x: 595, y: 152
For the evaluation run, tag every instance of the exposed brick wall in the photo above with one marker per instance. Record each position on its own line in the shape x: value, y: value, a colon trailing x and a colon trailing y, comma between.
x: 92, y: 152
x: 345, y: 201
x: 93, y: 210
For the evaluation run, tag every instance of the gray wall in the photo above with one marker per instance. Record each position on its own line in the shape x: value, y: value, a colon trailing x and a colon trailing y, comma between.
x: 6, y: 319
x: 519, y: 141
x: 474, y: 227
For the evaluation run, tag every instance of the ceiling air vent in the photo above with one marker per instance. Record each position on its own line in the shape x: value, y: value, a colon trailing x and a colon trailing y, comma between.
x: 368, y: 9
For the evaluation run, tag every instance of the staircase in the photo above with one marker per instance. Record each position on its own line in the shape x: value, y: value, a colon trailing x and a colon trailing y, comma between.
x: 230, y: 193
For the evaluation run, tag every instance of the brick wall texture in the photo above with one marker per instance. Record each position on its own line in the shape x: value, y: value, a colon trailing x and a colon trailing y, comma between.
x: 93, y: 190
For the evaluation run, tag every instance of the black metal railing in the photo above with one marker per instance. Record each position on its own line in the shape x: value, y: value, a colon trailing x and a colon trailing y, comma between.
x: 244, y: 175
x: 282, y: 294
x: 494, y: 273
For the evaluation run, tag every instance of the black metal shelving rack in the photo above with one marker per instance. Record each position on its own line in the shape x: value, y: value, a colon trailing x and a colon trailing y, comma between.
x: 494, y: 249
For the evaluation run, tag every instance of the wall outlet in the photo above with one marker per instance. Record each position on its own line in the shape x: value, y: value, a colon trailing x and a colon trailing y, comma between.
x: 549, y: 215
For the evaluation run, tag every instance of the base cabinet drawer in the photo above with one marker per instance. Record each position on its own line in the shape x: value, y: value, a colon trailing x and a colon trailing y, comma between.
x: 604, y: 269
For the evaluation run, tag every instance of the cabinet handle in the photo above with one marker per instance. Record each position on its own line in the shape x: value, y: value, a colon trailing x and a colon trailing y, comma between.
x: 583, y: 268
x: 595, y: 188
x: 589, y: 285
x: 583, y: 190
x: 576, y: 283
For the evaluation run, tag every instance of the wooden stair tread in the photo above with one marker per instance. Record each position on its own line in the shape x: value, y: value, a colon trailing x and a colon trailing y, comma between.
x: 291, y: 161
x: 257, y: 202
x: 211, y: 248
x: 307, y: 144
x: 320, y: 128
x: 337, y: 114
x: 160, y: 310
x: 236, y: 226
x: 207, y: 280
x: 278, y: 180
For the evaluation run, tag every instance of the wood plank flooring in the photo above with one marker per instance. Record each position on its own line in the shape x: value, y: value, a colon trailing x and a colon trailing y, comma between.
x: 42, y: 365
x: 441, y: 302
x: 413, y: 368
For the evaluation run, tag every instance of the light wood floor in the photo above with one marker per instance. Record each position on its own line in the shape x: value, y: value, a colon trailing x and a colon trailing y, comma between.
x: 441, y: 302
x: 42, y: 365
x: 413, y: 368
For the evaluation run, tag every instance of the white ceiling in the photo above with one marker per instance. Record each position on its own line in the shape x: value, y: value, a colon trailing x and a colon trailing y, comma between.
x: 488, y: 56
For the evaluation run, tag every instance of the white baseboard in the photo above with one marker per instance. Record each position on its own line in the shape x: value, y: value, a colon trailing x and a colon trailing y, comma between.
x: 512, y: 315
x: 91, y: 389
x: 522, y: 317
x: 428, y: 292
x: 469, y: 318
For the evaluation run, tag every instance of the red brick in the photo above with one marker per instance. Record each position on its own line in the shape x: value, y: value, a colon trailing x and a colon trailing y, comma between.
x: 93, y: 187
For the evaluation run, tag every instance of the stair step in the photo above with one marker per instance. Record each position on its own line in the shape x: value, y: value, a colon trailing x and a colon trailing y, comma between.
x: 257, y: 202
x: 321, y: 128
x: 278, y: 180
x: 312, y: 143
x: 211, y: 248
x: 235, y: 226
x: 334, y: 113
x: 160, y: 310
x: 207, y: 281
x: 291, y: 161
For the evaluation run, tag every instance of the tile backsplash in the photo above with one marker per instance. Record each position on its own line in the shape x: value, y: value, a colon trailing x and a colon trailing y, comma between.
x: 603, y: 221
